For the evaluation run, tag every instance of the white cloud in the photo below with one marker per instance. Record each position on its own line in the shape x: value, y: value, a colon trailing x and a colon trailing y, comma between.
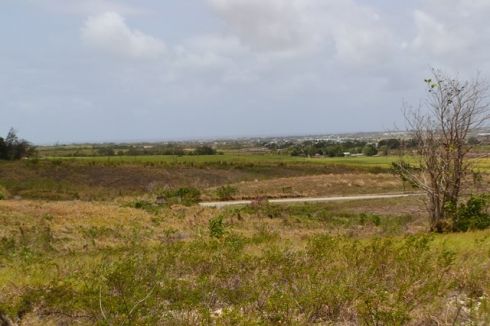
x: 262, y: 38
x: 360, y: 37
x: 435, y: 36
x: 273, y: 25
x: 109, y: 32
x: 297, y: 27
x: 454, y: 32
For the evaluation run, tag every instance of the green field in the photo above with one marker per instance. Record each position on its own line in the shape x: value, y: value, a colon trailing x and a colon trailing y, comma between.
x: 240, y: 159
x: 236, y: 158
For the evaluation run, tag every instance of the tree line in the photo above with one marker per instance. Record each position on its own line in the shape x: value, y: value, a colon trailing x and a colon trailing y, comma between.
x: 335, y: 149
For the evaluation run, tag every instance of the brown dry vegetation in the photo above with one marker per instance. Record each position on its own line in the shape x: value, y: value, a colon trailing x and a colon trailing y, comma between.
x: 65, y: 180
x: 318, y: 185
x: 71, y: 222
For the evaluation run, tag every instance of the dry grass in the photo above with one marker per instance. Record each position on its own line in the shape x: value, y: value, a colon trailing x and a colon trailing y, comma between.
x: 78, y: 225
x: 299, y: 264
x: 106, y: 180
x: 316, y: 185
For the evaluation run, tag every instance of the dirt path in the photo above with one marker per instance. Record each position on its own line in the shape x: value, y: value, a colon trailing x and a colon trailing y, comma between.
x: 220, y: 204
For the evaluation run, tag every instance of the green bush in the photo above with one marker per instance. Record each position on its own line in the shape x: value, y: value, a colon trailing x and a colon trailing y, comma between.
x: 204, y: 150
x: 145, y: 205
x: 473, y: 215
x: 226, y: 192
x: 370, y: 150
x: 13, y: 148
x: 390, y: 281
x: 186, y: 196
x: 3, y: 193
x: 216, y: 227
x: 369, y: 218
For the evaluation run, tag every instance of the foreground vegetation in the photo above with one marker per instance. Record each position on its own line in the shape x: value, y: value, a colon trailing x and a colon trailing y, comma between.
x: 95, y: 263
x: 89, y: 241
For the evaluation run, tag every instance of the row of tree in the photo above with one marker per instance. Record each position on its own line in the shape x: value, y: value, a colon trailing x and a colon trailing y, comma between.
x: 333, y: 149
x: 14, y: 148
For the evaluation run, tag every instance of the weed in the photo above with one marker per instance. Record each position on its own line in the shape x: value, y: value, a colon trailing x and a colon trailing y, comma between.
x: 226, y: 192
x: 145, y: 205
x: 186, y: 196
x: 369, y: 218
x: 216, y: 227
x: 3, y: 193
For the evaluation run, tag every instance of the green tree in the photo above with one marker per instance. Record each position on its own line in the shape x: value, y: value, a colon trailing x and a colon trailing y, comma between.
x: 14, y: 148
x: 204, y: 150
x: 370, y: 150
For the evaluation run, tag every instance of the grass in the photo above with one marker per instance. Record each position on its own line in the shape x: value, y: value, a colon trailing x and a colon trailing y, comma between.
x: 108, y: 178
x: 247, y: 159
x: 311, y: 186
x: 237, y: 160
x: 93, y: 247
x: 107, y: 263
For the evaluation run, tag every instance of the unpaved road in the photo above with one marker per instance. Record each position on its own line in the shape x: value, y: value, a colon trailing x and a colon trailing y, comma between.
x: 221, y: 204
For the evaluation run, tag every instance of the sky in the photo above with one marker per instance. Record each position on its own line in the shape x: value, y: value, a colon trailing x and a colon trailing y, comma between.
x: 107, y: 70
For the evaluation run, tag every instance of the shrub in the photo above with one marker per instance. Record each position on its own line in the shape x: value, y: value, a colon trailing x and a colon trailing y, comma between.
x: 226, y: 192
x: 369, y: 218
x: 3, y: 193
x: 145, y: 205
x: 186, y: 196
x: 472, y: 215
x: 14, y: 148
x: 204, y: 150
x: 370, y: 150
x: 216, y: 227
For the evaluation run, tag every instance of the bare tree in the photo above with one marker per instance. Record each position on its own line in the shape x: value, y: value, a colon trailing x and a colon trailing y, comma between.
x: 440, y: 129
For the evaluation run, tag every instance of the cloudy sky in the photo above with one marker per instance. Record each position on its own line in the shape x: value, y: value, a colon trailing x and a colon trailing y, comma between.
x: 107, y: 70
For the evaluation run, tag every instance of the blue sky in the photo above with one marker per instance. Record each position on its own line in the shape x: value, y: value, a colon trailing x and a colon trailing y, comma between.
x: 106, y: 70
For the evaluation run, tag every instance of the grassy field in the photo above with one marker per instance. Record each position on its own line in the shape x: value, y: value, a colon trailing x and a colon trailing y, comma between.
x: 107, y: 263
x: 374, y: 164
x: 233, y: 159
x: 84, y: 242
x: 103, y: 178
x: 106, y: 178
